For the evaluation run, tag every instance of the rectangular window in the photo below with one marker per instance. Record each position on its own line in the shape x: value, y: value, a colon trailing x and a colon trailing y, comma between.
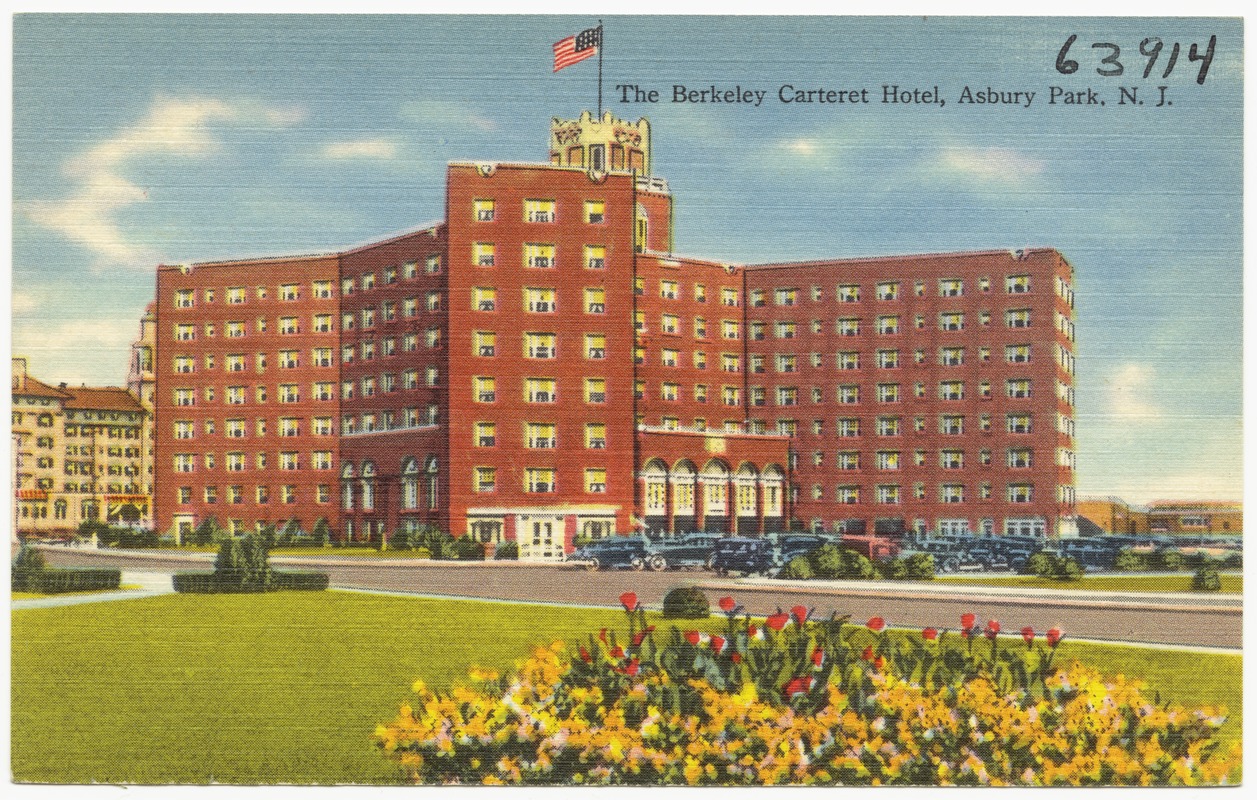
x: 1017, y: 318
x: 595, y: 212
x: 951, y: 425
x: 595, y: 435
x: 848, y: 460
x: 951, y: 493
x: 486, y: 479
x: 235, y: 330
x: 1019, y: 423
x: 888, y: 494
x: 1017, y: 388
x: 483, y: 210
x: 1021, y: 493
x: 849, y: 393
x: 849, y: 293
x: 888, y: 324
x: 540, y: 436
x: 786, y: 330
x: 484, y: 343
x: 289, y: 426
x: 539, y: 481
x: 486, y: 434
x: 730, y: 395
x: 540, y: 390
x: 888, y: 426
x: 235, y: 295
x: 787, y: 362
x: 787, y: 396
x: 888, y: 459
x: 848, y: 427
x: 184, y: 298
x: 1020, y: 457
x: 185, y: 333
x: 539, y: 345
x: 951, y: 390
x: 729, y: 297
x: 849, y: 495
x: 485, y: 389
x: 539, y: 256
x: 185, y: 364
x: 888, y: 290
x: 786, y: 297
x: 888, y: 393
x: 595, y: 480
x: 595, y: 390
x: 668, y: 357
x: 951, y: 321
x: 1017, y: 284
x: 289, y: 359
x: 540, y: 300
x: 888, y: 359
x: 951, y: 459
x: 538, y: 211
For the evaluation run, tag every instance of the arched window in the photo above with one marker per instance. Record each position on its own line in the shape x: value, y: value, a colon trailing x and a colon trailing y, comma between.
x: 347, y: 487
x: 746, y: 490
x: 368, y: 486
x: 772, y: 480
x: 433, y: 469
x: 410, y: 484
x: 59, y: 509
x: 654, y: 478
x: 715, y: 480
x: 684, y: 476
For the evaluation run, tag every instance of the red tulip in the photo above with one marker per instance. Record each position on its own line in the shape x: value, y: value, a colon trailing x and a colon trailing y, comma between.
x: 736, y: 658
x: 876, y: 624
x: 929, y: 634
x: 617, y: 652
x: 777, y: 621
x: 968, y: 620
x: 800, y: 613
x: 632, y: 668
x: 992, y: 629
x: 717, y: 643
x: 602, y: 634
x: 640, y: 636
x: 629, y: 601
x: 877, y: 663
x: 1054, y: 636
x: 867, y: 655
x: 1027, y: 633
x: 693, y: 637
x: 818, y: 657
x: 727, y: 604
x: 799, y: 685
x: 754, y: 632
x: 584, y: 656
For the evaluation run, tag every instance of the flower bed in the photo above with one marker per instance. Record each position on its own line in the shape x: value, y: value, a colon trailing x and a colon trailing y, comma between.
x: 799, y: 700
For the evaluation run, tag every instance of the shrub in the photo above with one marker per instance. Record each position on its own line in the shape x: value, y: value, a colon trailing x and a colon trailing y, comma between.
x: 1129, y: 561
x: 1068, y: 569
x: 920, y: 567
x: 1233, y: 560
x: 834, y: 562
x: 1169, y: 560
x: 196, y: 583
x: 1207, y: 579
x: 29, y: 559
x: 1039, y: 564
x: 322, y: 532
x: 468, y: 549
x: 507, y: 551
x: 799, y: 569
x: 207, y: 532
x: 686, y: 602
x: 56, y: 581
x: 895, y: 569
x: 298, y: 581
x: 1048, y: 565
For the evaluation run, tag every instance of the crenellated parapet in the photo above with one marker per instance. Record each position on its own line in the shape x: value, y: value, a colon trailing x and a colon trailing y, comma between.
x: 601, y: 145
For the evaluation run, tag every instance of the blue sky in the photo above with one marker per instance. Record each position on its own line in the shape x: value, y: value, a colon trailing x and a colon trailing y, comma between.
x: 146, y: 139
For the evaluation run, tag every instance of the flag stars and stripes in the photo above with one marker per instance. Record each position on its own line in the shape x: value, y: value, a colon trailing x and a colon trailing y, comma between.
x: 575, y: 49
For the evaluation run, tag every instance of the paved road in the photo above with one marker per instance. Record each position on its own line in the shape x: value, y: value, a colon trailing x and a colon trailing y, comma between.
x: 1175, y: 619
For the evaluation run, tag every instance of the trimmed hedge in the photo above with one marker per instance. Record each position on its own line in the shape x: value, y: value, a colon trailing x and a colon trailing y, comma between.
x: 59, y: 581
x: 686, y: 602
x: 298, y: 581
x: 211, y: 583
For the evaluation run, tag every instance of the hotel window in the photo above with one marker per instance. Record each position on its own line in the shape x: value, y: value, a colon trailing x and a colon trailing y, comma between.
x: 849, y: 293
x: 700, y: 393
x: 757, y: 363
x: 816, y: 360
x: 818, y: 294
x: 1017, y: 388
x: 918, y: 458
x: 888, y: 393
x: 539, y: 390
x: 390, y: 309
x: 289, y: 291
x: 368, y: 280
x: 208, y: 394
x: 951, y: 390
x: 669, y: 357
x: 730, y: 395
x: 920, y: 322
x: 848, y: 427
x: 729, y: 329
x: 984, y: 423
x: 539, y: 345
x: 951, y: 321
x: 595, y: 480
x: 346, y: 286
x: 888, y: 324
x: 639, y: 390
x: 787, y: 396
x: 668, y: 290
x: 235, y: 462
x: 209, y: 329
x: 595, y: 345
x: 787, y: 427
x: 288, y: 359
x: 432, y: 265
x: 1021, y: 493
x: 786, y: 330
x: 888, y: 426
x: 1017, y: 318
x: 1019, y: 458
x: 289, y: 393
x: 185, y: 429
x: 235, y: 395
x: 849, y: 393
x: 185, y: 333
x: 540, y: 436
x: 321, y: 356
x: 322, y: 426
x: 484, y: 343
x: 410, y: 379
x: 984, y: 457
x: 730, y: 362
x: 786, y: 297
x: 670, y: 323
x: 818, y: 396
x: 888, y: 459
x: 538, y: 211
x: 952, y: 493
x: 184, y: 364
x: 984, y: 318
x: 756, y: 396
x: 289, y: 426
x: 486, y: 434
x: 368, y: 350
x: 595, y: 435
x: 539, y: 300
x: 485, y: 389
x: 483, y: 253
x: 235, y: 330
x: 848, y: 359
x: 951, y: 356
x: 482, y: 210
x: 483, y: 298
x: 918, y: 491
x: 1017, y: 284
x: 639, y: 286
x: 322, y: 390
x: 211, y: 494
x: 209, y: 295
x: 539, y: 255
x: 888, y: 290
x: 757, y: 331
x: 322, y: 323
x: 758, y: 298
x: 235, y: 295
x: 389, y: 381
x: 849, y: 495
x: 668, y: 391
x: 322, y: 290
x: 1019, y: 423
x: 1017, y: 353
x: 951, y: 287
x: 729, y: 297
x: 787, y: 362
x: 185, y: 462
x: 234, y: 429
x: 951, y: 425
x: 289, y: 461
x: 848, y: 460
x: 539, y: 481
x: 486, y: 479
x: 888, y: 494
x: 184, y: 298
x: 951, y: 459
x: 595, y: 300
x: 700, y: 328
x: 918, y: 389
x: 432, y: 337
x: 888, y: 359
x: 700, y: 293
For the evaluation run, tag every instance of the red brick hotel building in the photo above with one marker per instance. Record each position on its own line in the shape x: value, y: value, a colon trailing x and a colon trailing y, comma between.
x: 541, y: 365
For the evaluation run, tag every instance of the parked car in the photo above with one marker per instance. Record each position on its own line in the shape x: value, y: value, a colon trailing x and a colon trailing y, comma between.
x: 614, y: 552
x: 741, y: 554
x: 687, y: 550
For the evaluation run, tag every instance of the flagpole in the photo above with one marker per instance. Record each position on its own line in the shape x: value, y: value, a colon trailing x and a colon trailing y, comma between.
x: 601, y: 36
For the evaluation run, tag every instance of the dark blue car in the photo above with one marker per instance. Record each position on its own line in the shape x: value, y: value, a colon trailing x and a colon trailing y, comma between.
x: 615, y: 552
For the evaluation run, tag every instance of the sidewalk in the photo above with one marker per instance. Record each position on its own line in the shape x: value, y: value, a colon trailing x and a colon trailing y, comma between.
x: 151, y: 584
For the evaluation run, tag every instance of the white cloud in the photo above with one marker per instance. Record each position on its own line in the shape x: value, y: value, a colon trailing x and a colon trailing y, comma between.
x: 176, y: 126
x: 1128, y: 390
x: 447, y: 114
x: 994, y: 166
x: 362, y: 148
x: 23, y: 302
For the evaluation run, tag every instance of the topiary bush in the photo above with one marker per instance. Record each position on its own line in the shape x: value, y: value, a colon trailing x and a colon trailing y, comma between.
x: 1039, y: 564
x: 686, y: 602
x: 243, y: 565
x: 799, y: 569
x: 1207, y: 579
x: 507, y: 551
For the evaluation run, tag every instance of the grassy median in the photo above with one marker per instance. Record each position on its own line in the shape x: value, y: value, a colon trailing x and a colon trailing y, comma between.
x: 288, y: 687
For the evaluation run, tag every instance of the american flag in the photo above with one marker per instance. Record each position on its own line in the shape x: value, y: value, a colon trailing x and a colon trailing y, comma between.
x: 575, y: 49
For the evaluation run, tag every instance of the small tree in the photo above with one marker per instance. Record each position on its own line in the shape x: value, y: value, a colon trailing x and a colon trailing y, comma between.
x: 1207, y: 578
x: 206, y: 532
x: 322, y: 533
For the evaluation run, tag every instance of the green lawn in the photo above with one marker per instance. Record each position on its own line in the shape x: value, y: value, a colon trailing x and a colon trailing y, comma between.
x: 289, y: 686
x: 1169, y: 582
x: 126, y: 587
